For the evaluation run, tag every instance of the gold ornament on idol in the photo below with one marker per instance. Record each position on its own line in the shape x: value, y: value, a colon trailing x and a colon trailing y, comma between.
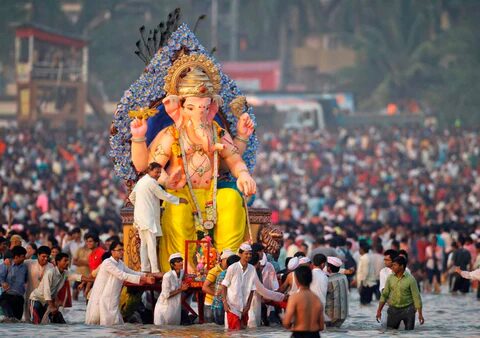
x: 193, y: 75
x: 142, y: 113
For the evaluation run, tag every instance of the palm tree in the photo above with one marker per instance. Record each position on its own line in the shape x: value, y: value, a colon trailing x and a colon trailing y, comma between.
x: 395, y: 41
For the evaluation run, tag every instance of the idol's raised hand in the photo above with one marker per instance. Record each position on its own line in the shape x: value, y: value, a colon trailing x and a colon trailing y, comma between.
x: 245, y: 126
x: 138, y: 128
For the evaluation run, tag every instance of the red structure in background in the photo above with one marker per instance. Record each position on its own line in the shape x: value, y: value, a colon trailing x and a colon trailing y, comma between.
x: 254, y: 76
x: 51, y: 71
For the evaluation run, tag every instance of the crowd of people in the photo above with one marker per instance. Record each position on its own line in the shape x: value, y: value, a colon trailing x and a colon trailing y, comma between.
x: 388, y: 185
x: 53, y: 181
x: 358, y: 207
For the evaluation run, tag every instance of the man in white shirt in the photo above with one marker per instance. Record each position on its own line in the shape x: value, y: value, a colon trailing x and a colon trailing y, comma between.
x: 35, y: 270
x: 104, y: 304
x: 255, y: 313
x: 319, y: 285
x: 42, y: 299
x: 388, y: 257
x: 238, y: 288
x: 269, y: 278
x: 146, y: 215
x: 378, y: 265
x: 366, y: 280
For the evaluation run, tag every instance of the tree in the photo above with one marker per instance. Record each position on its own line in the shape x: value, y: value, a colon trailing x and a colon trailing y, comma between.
x: 395, y: 41
x: 455, y: 95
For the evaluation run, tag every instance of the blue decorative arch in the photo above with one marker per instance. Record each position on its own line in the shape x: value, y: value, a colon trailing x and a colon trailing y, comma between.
x: 149, y: 88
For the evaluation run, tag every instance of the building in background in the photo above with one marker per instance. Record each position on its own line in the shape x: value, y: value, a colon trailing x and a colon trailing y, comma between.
x: 51, y: 75
x: 318, y: 59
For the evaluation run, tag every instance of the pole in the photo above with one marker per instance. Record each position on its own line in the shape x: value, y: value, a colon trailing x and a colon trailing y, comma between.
x: 214, y: 24
x: 248, y: 219
x: 233, y: 52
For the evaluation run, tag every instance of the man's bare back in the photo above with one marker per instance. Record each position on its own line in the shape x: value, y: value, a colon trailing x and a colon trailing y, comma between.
x: 304, y: 312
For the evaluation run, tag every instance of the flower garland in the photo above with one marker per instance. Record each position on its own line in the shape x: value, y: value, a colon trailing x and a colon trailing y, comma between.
x: 149, y: 88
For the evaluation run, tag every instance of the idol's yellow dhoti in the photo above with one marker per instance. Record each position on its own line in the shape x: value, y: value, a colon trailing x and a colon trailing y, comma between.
x: 178, y: 223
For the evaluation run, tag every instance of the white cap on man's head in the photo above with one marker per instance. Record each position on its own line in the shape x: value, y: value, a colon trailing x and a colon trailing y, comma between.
x: 226, y: 253
x: 175, y: 255
x: 335, y: 261
x: 304, y: 260
x: 293, y: 263
x: 245, y: 247
x: 300, y: 238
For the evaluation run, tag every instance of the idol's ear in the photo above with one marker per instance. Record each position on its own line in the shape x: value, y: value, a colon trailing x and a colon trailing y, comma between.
x: 173, y: 107
x: 217, y: 101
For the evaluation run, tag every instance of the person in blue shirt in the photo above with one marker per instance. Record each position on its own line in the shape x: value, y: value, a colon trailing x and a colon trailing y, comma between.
x: 12, y: 280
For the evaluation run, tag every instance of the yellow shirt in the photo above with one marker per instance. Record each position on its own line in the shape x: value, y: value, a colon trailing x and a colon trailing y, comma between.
x: 212, y: 277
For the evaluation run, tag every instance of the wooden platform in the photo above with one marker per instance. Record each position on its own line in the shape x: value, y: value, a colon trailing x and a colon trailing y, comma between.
x: 259, y: 217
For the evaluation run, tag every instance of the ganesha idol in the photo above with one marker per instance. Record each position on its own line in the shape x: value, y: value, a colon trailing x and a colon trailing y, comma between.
x: 194, y: 151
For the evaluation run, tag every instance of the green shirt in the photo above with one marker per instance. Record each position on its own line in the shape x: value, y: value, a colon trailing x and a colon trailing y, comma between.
x: 401, y: 292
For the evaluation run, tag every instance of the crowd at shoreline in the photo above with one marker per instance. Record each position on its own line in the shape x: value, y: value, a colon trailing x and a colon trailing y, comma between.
x: 347, y: 195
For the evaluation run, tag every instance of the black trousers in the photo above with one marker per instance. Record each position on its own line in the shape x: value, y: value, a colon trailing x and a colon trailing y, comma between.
x: 397, y: 315
x: 461, y: 284
x: 305, y: 334
x: 376, y: 290
x: 12, y: 305
x: 366, y: 294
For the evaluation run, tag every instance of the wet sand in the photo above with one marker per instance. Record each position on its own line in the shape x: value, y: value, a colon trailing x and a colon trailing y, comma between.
x: 445, y: 316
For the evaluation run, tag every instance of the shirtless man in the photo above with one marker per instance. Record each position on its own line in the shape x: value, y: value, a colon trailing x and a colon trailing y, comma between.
x: 304, y: 314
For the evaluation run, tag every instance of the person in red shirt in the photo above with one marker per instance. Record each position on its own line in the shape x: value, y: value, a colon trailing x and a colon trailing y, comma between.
x: 95, y: 258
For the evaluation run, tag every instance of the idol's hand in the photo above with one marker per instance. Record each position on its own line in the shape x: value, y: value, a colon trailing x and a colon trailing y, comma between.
x: 246, y: 184
x: 138, y: 128
x: 176, y: 179
x: 245, y: 126
x: 173, y: 108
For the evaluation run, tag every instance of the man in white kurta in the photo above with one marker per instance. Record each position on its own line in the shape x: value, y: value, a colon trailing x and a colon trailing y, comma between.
x: 103, y: 306
x: 319, y: 285
x: 238, y: 288
x: 255, y: 313
x: 168, y: 309
x: 145, y: 197
x: 36, y: 269
x: 43, y: 299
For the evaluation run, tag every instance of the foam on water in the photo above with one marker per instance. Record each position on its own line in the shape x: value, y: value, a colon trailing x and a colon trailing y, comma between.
x: 445, y: 316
